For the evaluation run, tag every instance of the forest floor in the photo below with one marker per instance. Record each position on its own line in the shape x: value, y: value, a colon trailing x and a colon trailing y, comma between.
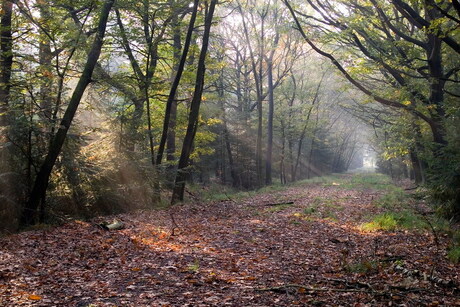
x: 306, y: 244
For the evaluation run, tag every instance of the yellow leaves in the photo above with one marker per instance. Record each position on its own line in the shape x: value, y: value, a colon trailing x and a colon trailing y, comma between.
x: 406, y: 103
x: 213, y: 121
x: 136, y: 269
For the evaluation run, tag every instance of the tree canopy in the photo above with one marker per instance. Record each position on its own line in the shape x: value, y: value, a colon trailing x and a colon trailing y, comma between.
x: 108, y: 106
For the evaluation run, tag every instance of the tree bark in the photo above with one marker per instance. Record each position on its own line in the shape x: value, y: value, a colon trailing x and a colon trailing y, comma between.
x: 45, y: 58
x: 6, y: 62
x: 271, y: 110
x: 170, y: 104
x: 177, y: 47
x: 38, y: 194
x: 179, y: 184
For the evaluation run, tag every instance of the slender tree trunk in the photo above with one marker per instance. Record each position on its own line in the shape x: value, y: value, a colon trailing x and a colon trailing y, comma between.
x: 416, y: 167
x: 271, y: 110
x: 179, y: 185
x: 45, y: 58
x: 38, y: 194
x: 6, y: 62
x: 172, y: 93
x: 283, y: 154
x: 291, y: 160
x: 226, y: 136
x: 256, y: 71
x: 312, y: 148
x: 177, y: 47
x: 259, y: 143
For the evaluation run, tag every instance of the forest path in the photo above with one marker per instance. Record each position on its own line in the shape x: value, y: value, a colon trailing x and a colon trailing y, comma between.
x: 301, y: 245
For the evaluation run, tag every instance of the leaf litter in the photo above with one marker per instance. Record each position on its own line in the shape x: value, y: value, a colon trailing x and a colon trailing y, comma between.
x: 297, y: 247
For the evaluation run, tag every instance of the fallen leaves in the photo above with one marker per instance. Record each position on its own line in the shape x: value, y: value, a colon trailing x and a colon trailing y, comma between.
x: 224, y: 252
x: 34, y: 297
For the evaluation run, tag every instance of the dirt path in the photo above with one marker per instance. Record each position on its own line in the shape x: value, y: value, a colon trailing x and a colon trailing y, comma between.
x: 245, y: 252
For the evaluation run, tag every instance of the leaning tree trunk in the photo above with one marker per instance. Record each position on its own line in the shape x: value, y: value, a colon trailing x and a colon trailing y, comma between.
x: 170, y: 104
x: 38, y: 194
x: 179, y: 185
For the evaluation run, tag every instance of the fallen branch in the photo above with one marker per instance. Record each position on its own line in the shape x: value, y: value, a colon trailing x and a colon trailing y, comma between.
x: 351, y: 283
x: 280, y: 204
x: 307, y: 288
x: 418, y: 274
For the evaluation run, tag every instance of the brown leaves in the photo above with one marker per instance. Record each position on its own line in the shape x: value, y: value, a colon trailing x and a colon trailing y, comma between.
x: 224, y: 252
x: 34, y: 297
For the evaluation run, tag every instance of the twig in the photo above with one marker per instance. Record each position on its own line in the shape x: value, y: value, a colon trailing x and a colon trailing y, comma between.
x: 433, y: 279
x: 307, y: 288
x: 192, y: 195
x: 350, y: 283
x: 436, y: 238
x: 279, y: 204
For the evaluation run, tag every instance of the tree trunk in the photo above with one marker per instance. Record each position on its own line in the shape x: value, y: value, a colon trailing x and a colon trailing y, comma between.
x: 437, y: 81
x: 177, y: 47
x: 416, y: 167
x: 271, y: 108
x: 257, y: 73
x: 6, y: 62
x: 170, y: 104
x: 38, y: 194
x: 179, y: 185
x: 45, y: 58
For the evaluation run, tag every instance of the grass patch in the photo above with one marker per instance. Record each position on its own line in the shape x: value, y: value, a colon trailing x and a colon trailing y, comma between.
x: 272, y: 188
x: 217, y: 192
x: 384, y: 221
x: 194, y: 267
x: 309, y: 211
x: 328, y: 180
x: 363, y: 267
x: 395, y: 198
x: 363, y: 181
x: 391, y: 221
x: 278, y: 208
x: 454, y: 254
